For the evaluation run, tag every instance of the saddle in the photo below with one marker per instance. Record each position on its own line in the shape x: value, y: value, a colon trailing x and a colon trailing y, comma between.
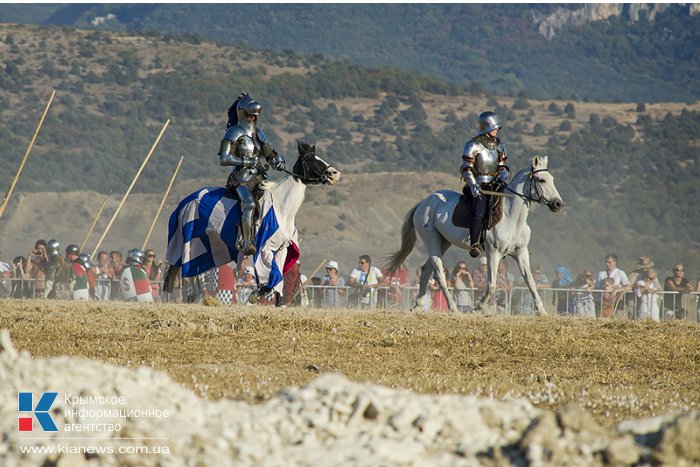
x: 462, y: 215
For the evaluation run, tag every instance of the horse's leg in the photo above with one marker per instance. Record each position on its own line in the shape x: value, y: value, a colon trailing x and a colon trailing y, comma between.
x: 522, y: 256
x: 442, y: 280
x: 423, y: 223
x: 494, y: 259
x: 425, y: 272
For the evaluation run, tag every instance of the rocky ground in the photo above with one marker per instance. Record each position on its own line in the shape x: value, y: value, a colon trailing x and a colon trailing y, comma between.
x: 332, y: 421
x: 275, y: 393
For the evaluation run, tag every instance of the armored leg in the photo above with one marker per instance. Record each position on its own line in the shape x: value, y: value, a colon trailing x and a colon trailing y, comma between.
x: 247, y: 241
x: 479, y: 206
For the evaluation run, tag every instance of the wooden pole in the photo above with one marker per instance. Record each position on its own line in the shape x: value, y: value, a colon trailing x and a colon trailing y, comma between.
x: 162, y: 202
x: 307, y: 280
x: 143, y: 164
x: 94, y: 222
x: 26, y: 155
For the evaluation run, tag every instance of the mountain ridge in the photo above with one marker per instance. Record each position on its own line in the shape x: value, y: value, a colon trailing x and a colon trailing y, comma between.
x: 504, y: 48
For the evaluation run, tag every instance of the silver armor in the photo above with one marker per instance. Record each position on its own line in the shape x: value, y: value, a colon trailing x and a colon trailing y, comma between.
x: 135, y: 256
x: 489, y: 121
x: 484, y: 160
x: 52, y: 247
x: 483, y: 163
x: 245, y: 147
x: 84, y: 259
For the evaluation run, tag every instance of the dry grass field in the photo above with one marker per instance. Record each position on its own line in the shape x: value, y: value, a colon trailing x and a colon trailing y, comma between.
x: 617, y: 370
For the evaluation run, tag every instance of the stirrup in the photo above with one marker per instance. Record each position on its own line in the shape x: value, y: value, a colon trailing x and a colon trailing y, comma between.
x: 475, y: 250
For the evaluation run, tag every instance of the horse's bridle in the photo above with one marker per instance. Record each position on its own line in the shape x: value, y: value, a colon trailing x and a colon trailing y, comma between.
x: 529, y: 198
x: 322, y: 178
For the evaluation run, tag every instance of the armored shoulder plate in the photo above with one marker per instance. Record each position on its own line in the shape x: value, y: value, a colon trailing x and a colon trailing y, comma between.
x: 235, y: 132
x: 262, y: 137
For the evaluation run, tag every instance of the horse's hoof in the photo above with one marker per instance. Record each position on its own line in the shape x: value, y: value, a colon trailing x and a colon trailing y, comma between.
x: 253, y: 298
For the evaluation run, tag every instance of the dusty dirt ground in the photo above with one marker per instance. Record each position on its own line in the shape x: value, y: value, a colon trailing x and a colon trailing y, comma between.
x: 617, y: 370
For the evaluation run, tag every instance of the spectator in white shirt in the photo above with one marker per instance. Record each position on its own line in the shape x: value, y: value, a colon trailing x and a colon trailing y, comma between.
x: 621, y: 282
x: 365, y: 279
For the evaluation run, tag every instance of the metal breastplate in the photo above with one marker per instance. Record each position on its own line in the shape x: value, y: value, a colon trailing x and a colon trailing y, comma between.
x: 486, y: 165
x: 485, y: 158
x: 247, y: 147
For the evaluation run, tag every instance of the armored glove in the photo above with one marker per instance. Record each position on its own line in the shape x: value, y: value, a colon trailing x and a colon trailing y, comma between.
x: 278, y: 163
x: 502, y: 177
x: 476, y: 191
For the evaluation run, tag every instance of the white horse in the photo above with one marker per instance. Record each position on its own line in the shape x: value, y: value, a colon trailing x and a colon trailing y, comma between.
x: 432, y: 219
x: 202, y: 231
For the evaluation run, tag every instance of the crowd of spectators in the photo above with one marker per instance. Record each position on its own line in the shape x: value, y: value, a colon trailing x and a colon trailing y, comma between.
x: 607, y: 293
x: 48, y: 271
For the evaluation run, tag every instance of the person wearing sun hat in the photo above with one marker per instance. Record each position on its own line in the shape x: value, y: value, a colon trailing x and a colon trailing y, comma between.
x: 640, y: 269
x: 334, y: 283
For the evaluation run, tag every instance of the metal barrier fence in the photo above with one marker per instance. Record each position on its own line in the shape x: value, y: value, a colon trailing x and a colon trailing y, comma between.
x: 518, y: 301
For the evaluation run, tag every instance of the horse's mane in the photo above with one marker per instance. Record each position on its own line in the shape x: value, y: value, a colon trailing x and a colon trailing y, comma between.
x: 522, y: 172
x: 267, y: 185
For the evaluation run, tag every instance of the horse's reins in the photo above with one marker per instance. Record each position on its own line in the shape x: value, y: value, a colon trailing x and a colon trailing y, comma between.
x: 528, y: 198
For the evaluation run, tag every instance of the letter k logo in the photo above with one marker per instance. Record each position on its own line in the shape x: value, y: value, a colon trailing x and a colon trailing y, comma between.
x: 41, y: 411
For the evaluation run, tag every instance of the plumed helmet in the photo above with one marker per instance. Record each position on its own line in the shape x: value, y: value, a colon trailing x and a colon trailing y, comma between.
x: 84, y: 259
x: 135, y: 256
x: 488, y: 121
x: 247, y: 106
x: 72, y: 250
x: 52, y: 247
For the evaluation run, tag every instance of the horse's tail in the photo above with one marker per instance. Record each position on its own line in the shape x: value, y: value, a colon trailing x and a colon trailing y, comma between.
x: 170, y: 278
x: 408, y: 241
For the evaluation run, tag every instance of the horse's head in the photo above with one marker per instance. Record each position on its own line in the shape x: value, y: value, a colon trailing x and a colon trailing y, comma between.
x: 542, y: 187
x: 311, y: 169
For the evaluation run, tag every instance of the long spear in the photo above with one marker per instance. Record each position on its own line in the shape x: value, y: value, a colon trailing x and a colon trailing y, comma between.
x: 162, y: 202
x: 323, y: 261
x: 26, y: 155
x: 143, y: 164
x: 94, y: 222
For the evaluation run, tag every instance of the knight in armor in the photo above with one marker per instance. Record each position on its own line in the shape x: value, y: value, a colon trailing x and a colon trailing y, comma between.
x: 84, y: 285
x: 135, y: 285
x: 483, y: 168
x: 246, y: 149
x: 59, y: 271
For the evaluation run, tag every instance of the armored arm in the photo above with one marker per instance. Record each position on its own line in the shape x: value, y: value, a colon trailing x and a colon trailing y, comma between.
x: 503, y: 170
x: 228, y: 155
x: 270, y: 154
x: 467, y: 169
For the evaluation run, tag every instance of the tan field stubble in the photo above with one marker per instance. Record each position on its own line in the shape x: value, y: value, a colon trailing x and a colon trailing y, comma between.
x: 617, y: 370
